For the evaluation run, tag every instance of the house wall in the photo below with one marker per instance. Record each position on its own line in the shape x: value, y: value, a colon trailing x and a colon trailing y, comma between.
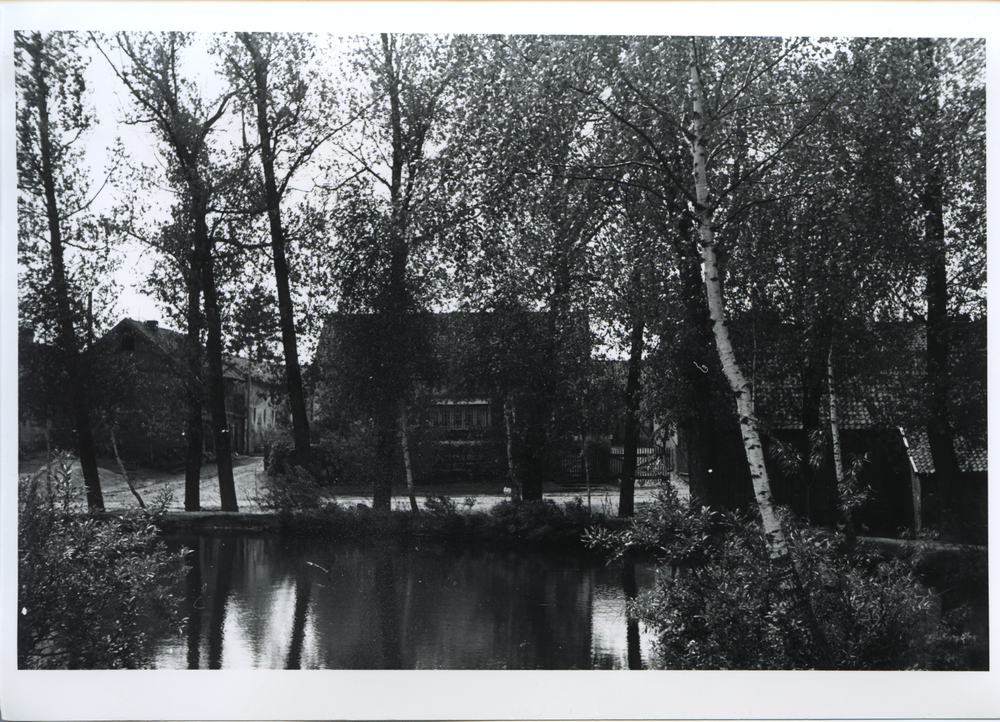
x: 142, y: 377
x: 253, y: 415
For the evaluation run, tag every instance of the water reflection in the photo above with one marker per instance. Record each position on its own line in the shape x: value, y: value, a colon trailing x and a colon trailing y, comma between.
x: 268, y: 602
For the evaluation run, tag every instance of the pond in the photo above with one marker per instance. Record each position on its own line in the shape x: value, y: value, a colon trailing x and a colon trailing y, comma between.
x: 267, y: 602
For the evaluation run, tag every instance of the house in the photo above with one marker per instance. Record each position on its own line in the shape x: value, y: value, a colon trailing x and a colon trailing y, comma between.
x: 464, y: 370
x: 140, y: 373
x: 880, y: 382
x: 969, y: 499
x: 39, y: 407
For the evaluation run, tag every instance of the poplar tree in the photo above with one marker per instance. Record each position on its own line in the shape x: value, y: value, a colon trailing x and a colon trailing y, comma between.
x: 53, y: 193
x: 169, y: 102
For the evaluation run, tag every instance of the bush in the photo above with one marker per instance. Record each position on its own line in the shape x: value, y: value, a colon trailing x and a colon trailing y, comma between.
x: 540, y: 521
x: 716, y: 603
x: 289, y: 488
x: 90, y: 589
x: 279, y: 456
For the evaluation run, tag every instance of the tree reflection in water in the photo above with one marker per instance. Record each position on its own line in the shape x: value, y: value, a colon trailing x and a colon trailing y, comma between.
x: 630, y: 588
x: 275, y: 603
x: 224, y: 553
x: 303, y: 584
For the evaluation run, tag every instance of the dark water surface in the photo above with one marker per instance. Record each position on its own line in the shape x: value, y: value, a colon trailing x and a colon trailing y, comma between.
x: 261, y: 601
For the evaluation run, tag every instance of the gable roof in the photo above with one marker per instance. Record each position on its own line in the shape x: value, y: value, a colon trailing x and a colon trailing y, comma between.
x: 170, y: 345
x: 972, y: 456
x: 880, y: 372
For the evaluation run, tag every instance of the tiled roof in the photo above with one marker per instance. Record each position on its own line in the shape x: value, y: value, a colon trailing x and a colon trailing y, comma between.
x: 971, y: 455
x: 237, y: 366
x: 170, y: 344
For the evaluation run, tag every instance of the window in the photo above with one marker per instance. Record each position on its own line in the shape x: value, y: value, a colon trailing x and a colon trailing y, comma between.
x: 461, y: 416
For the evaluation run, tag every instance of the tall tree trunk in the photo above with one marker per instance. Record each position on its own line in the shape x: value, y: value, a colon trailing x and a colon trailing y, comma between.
x: 508, y: 419
x: 404, y: 436
x: 782, y: 563
x: 533, y: 452
x: 293, y: 373
x: 60, y: 287
x: 940, y: 435
x: 217, y: 389
x: 716, y: 305
x: 626, y: 496
x: 844, y: 488
x: 194, y: 387
x: 695, y: 429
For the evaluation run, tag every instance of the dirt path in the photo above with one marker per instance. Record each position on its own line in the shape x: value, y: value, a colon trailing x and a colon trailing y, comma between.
x: 152, y: 484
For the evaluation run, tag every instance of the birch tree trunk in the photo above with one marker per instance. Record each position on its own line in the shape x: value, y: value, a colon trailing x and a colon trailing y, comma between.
x: 787, y: 580
x: 843, y: 490
x: 777, y: 541
x: 508, y: 418
x: 405, y: 441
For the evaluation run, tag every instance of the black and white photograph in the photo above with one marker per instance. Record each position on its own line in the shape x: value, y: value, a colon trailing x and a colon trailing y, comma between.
x: 381, y: 351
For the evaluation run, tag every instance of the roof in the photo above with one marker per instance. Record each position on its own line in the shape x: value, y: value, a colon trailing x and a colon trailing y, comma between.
x: 971, y: 455
x: 159, y: 339
x: 880, y: 372
x: 262, y: 371
x: 171, y: 344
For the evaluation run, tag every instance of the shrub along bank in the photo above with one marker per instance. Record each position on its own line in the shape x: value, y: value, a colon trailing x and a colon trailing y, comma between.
x: 717, y: 605
x: 536, y: 524
x: 296, y: 495
x: 90, y: 588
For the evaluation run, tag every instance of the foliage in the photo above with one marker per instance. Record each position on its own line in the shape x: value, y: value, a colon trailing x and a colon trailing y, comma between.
x: 541, y: 524
x: 51, y: 75
x: 287, y: 485
x: 293, y: 489
x: 537, y: 521
x: 89, y: 587
x: 716, y: 604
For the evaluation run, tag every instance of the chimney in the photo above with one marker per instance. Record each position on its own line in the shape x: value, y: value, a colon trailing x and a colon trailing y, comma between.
x: 152, y: 326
